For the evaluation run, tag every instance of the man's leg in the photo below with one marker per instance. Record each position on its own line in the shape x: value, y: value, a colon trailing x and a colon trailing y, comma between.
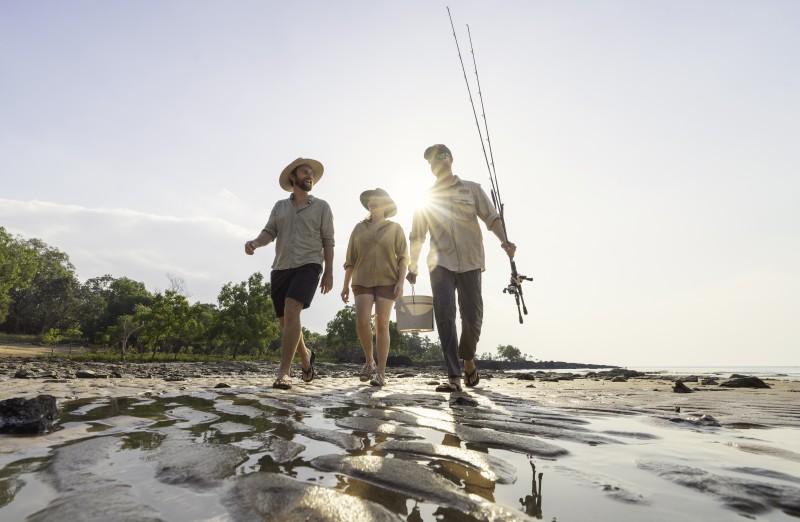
x: 443, y: 286
x: 470, y: 304
x: 292, y: 336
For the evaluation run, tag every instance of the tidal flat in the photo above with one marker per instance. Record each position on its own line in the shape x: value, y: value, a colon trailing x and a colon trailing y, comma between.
x: 193, y: 441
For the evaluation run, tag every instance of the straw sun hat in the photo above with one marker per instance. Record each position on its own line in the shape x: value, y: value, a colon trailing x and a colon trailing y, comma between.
x: 316, y: 168
x: 391, y: 208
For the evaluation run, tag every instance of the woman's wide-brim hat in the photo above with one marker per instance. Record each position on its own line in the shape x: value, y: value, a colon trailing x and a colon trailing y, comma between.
x: 391, y: 208
x: 316, y: 168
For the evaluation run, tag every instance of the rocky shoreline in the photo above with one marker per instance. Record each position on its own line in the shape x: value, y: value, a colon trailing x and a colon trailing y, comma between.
x: 218, y: 439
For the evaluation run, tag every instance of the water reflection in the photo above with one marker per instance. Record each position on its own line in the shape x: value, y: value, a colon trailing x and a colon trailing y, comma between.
x: 532, y: 504
x: 278, y: 438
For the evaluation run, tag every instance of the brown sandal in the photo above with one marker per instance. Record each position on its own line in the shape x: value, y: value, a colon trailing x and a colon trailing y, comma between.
x: 282, y: 384
x: 451, y: 386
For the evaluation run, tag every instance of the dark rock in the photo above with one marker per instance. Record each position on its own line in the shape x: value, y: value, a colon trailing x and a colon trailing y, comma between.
x: 526, y: 377
x: 744, y: 382
x: 681, y: 388
x: 405, y: 375
x: 174, y: 378
x: 32, y: 416
x: 399, y: 360
x: 90, y: 374
x: 222, y: 385
x: 619, y: 378
x: 24, y: 373
x: 464, y: 401
x: 709, y: 381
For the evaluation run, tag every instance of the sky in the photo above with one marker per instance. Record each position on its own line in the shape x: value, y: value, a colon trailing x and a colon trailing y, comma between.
x: 646, y: 152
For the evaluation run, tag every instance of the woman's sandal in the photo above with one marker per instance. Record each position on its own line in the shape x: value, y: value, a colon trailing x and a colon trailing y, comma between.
x: 472, y: 378
x: 282, y: 384
x: 308, y: 375
x: 366, y: 372
x: 379, y: 380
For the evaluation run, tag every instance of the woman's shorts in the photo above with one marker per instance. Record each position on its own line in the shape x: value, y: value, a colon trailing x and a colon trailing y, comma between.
x: 298, y: 283
x: 386, y: 292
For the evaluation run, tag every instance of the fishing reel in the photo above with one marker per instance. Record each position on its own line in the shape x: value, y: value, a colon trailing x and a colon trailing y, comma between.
x: 515, y: 288
x: 514, y: 285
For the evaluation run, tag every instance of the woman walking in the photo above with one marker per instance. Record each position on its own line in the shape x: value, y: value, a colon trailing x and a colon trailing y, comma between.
x: 376, y: 262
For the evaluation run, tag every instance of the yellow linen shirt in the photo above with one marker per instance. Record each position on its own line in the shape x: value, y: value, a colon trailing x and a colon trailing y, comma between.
x: 374, y: 252
x: 451, y: 217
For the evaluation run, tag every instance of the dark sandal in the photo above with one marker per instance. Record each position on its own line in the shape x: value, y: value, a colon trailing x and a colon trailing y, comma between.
x: 308, y: 375
x: 282, y: 384
x: 472, y: 378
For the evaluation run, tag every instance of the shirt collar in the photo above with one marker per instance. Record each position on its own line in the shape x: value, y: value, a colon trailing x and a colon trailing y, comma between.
x: 311, y: 198
x: 456, y: 182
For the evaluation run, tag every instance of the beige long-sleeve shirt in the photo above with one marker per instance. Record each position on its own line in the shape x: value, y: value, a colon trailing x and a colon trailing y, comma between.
x: 375, y: 251
x: 300, y: 233
x: 451, y: 217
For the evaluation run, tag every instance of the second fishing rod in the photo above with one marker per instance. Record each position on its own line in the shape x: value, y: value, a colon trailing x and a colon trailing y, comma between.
x: 515, y: 283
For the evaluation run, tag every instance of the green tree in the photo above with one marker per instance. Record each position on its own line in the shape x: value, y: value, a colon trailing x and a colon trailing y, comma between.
x: 246, y: 322
x: 165, y: 323
x: 343, y: 344
x: 51, y: 300
x: 507, y: 352
x: 17, y: 268
x: 105, y: 299
x: 126, y: 326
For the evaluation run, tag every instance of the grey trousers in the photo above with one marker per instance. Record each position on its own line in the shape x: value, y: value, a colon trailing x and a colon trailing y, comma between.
x: 444, y: 285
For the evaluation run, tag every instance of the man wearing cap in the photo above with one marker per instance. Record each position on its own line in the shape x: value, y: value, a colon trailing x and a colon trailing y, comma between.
x: 455, y: 261
x: 302, y: 228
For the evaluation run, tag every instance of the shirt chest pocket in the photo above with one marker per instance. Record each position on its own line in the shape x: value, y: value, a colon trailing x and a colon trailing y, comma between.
x: 463, y: 207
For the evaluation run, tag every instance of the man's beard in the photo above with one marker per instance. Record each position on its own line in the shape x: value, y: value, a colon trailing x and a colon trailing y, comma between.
x: 306, y: 185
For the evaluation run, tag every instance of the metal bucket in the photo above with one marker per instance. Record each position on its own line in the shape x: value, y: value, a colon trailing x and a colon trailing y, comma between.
x: 414, y: 313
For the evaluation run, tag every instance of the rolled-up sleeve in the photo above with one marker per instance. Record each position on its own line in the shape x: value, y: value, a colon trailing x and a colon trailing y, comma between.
x: 271, y: 227
x: 326, y: 229
x: 419, y: 228
x: 352, y: 253
x: 484, y: 207
x: 400, y: 244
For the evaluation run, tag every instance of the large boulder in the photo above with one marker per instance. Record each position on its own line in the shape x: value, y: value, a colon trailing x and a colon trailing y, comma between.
x: 28, y: 416
x: 744, y: 382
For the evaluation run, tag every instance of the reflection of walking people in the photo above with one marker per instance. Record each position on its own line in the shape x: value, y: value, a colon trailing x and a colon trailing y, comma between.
x: 456, y: 260
x: 302, y: 228
x: 377, y: 256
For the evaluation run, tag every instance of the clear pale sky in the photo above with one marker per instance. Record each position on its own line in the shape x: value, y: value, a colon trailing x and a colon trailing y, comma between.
x: 647, y: 152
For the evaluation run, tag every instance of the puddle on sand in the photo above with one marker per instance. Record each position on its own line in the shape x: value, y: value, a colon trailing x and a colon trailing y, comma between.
x: 589, y: 479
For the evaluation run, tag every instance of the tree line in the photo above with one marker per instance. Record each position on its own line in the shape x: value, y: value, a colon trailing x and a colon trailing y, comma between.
x: 40, y: 295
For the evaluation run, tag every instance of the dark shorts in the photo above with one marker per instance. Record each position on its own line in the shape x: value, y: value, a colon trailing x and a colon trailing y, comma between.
x: 386, y: 292
x: 298, y: 283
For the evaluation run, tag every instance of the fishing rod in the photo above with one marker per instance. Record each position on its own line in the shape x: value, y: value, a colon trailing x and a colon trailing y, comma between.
x: 515, y: 283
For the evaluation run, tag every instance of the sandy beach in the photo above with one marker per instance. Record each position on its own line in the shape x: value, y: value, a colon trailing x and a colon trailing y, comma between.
x: 193, y: 441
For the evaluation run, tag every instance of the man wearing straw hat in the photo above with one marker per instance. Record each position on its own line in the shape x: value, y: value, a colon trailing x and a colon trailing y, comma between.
x: 456, y: 260
x: 302, y: 228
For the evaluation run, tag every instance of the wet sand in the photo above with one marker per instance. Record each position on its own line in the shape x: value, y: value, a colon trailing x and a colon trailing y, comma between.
x: 164, y: 442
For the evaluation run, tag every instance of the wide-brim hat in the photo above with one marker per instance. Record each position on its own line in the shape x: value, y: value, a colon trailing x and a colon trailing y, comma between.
x: 316, y: 168
x: 391, y: 208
